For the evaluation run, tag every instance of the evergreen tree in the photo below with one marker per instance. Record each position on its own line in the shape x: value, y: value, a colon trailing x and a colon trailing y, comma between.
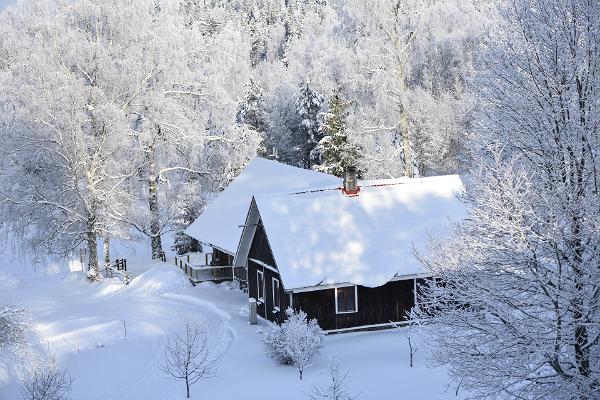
x: 251, y: 113
x: 308, y: 107
x: 188, y: 211
x: 258, y: 47
x: 335, y: 152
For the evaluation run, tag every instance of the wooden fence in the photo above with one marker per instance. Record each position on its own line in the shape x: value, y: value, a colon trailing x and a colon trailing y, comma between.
x: 117, y: 269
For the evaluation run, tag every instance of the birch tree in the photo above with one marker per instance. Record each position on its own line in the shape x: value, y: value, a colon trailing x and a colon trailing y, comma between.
x: 66, y: 136
x: 518, y: 309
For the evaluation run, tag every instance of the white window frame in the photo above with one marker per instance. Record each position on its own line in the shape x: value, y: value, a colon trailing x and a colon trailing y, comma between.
x: 262, y: 278
x: 273, y: 280
x: 355, y: 300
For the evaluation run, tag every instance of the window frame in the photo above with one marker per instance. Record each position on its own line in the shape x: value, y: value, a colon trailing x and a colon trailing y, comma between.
x: 337, y: 311
x: 275, y: 304
x: 258, y: 286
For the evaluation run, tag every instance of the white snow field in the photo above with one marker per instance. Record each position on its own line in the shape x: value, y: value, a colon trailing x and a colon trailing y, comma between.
x: 71, y: 317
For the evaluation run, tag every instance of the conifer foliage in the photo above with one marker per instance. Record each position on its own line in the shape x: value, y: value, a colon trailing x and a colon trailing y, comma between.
x: 335, y: 152
x: 308, y: 107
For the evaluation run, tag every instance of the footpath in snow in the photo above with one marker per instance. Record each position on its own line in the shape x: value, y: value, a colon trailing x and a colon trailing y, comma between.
x: 71, y: 317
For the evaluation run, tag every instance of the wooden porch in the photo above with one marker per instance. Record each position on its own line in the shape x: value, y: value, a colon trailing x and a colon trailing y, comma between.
x: 200, y: 267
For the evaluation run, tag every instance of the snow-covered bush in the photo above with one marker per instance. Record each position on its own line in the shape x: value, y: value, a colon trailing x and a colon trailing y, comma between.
x: 45, y: 379
x: 13, y: 328
x: 273, y: 338
x: 295, y: 341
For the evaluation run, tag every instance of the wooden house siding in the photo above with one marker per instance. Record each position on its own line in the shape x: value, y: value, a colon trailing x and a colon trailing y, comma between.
x: 380, y: 305
x: 260, y: 249
x: 261, y: 252
x: 220, y: 258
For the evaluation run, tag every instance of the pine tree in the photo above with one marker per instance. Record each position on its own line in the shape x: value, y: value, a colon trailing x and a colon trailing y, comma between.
x: 335, y: 152
x: 308, y: 107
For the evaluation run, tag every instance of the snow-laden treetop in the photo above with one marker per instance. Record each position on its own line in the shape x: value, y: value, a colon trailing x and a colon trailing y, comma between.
x: 325, y: 237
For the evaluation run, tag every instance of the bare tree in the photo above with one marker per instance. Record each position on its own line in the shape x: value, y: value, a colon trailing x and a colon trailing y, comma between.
x: 336, y: 388
x: 408, y: 332
x: 45, y: 379
x: 188, y: 356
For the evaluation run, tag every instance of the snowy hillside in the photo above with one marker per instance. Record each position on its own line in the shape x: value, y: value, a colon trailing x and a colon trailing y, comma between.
x: 71, y: 317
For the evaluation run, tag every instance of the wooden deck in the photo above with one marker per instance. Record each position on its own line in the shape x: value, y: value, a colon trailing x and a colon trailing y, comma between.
x: 203, y: 271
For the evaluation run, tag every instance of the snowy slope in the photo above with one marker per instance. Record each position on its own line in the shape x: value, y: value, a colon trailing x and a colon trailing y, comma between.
x: 219, y: 223
x: 325, y: 236
x: 71, y: 316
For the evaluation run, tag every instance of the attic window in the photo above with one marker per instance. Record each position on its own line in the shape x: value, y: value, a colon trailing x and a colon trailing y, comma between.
x: 345, y: 300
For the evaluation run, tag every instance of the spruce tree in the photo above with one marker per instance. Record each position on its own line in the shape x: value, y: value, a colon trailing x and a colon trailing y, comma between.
x: 308, y: 107
x: 335, y: 152
x: 251, y: 112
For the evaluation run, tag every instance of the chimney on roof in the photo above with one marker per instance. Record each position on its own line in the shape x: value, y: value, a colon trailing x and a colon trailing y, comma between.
x: 351, y: 187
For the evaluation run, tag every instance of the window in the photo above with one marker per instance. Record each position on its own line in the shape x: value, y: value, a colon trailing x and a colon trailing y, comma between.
x: 260, y: 286
x: 345, y: 300
x: 275, y: 293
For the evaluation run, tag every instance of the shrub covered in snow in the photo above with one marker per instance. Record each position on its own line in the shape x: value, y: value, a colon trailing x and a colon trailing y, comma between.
x: 13, y: 328
x: 295, y: 341
x: 45, y: 379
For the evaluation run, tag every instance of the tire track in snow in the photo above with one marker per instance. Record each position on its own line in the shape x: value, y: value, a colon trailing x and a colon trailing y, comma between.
x: 229, y: 335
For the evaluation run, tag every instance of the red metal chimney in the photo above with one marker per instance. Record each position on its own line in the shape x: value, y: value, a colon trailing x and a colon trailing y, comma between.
x: 351, y: 187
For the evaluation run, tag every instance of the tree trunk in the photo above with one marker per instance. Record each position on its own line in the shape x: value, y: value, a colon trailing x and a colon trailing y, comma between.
x: 187, y: 388
x: 106, y: 251
x: 582, y: 355
x: 155, y: 240
x: 92, y: 243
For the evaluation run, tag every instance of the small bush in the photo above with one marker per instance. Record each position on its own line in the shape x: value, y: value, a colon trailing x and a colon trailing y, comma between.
x: 295, y: 341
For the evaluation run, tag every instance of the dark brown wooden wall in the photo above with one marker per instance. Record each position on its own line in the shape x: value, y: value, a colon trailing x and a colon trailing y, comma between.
x: 388, y: 303
x: 261, y: 251
x: 221, y: 258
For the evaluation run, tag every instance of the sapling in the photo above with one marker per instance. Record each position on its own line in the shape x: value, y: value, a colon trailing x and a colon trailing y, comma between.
x: 188, y: 356
x: 336, y: 388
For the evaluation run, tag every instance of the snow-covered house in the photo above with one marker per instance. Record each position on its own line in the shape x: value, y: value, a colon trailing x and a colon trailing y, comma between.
x: 341, y: 251
x: 345, y: 257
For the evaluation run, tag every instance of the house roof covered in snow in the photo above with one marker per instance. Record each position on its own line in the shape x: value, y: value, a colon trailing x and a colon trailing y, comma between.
x: 323, y: 237
x: 219, y: 224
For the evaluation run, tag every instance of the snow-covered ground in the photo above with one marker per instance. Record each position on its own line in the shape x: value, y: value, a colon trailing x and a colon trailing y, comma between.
x: 71, y: 316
